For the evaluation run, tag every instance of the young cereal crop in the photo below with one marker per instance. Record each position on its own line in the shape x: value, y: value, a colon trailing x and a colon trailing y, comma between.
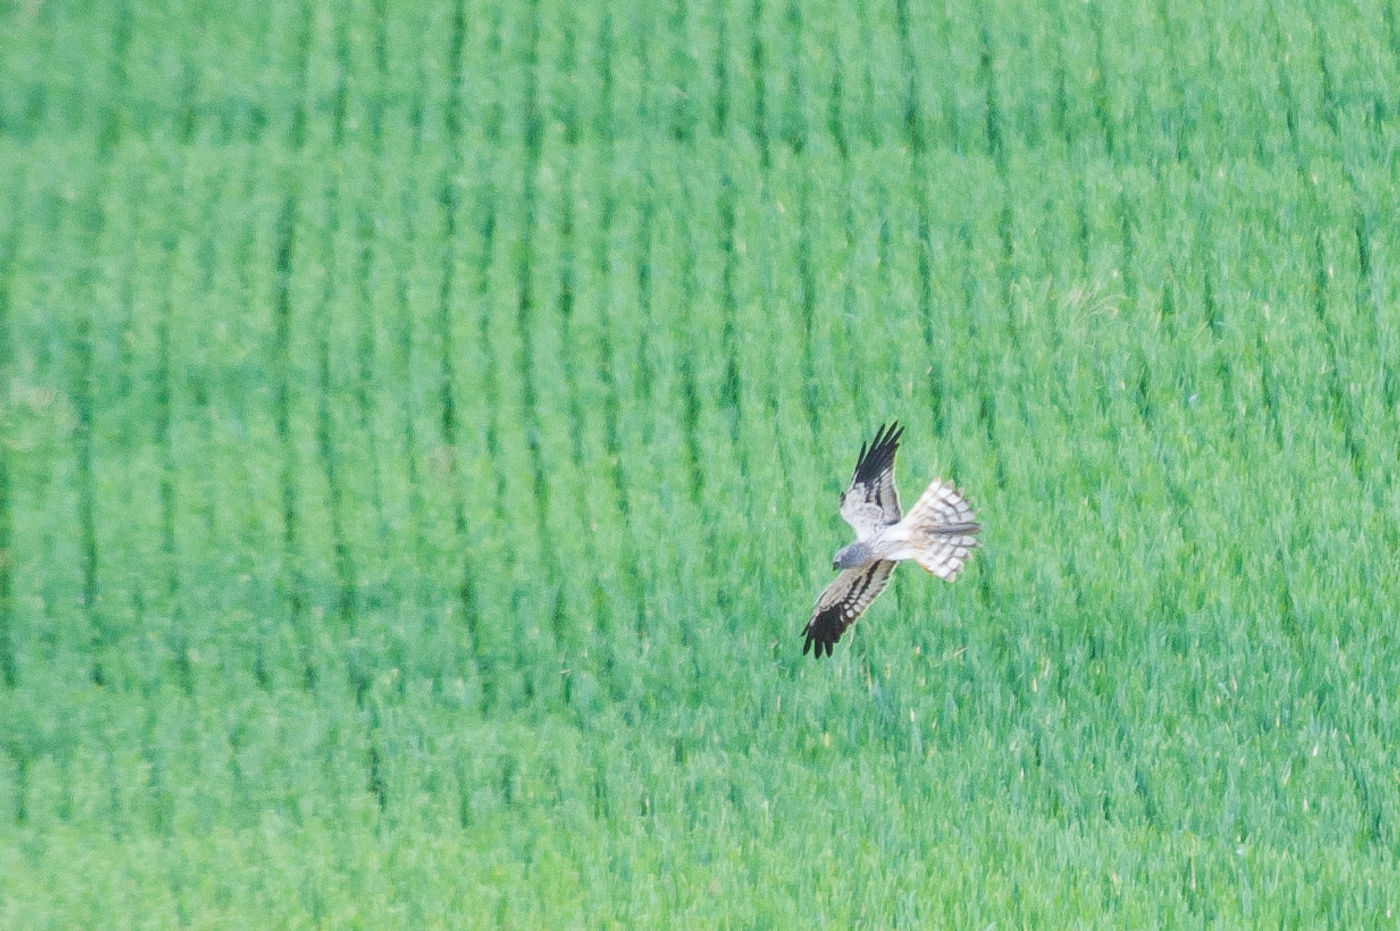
x: 421, y: 428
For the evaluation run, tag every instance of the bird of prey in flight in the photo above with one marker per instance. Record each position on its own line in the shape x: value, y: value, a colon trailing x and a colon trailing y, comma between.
x: 939, y: 533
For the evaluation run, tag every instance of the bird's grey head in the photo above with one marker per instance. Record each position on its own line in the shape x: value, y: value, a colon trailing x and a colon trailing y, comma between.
x: 851, y: 557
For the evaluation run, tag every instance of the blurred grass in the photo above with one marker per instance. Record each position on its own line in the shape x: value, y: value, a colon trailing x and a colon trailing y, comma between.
x: 422, y: 426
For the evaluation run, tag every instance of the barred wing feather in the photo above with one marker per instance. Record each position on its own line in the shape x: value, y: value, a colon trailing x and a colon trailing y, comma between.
x: 844, y: 600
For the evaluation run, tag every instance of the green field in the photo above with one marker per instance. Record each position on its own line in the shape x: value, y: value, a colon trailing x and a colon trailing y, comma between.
x: 421, y: 428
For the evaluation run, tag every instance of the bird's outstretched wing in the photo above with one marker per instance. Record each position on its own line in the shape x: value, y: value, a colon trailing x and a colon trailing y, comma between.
x: 844, y: 600
x: 871, y: 501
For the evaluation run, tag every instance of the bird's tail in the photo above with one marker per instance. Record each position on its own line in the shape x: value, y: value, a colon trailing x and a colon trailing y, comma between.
x: 942, y: 530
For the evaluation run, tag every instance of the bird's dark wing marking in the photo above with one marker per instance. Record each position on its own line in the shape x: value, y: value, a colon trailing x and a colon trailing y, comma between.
x: 844, y: 600
x: 871, y: 501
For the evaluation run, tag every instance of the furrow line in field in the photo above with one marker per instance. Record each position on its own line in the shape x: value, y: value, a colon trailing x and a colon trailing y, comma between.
x: 568, y: 108
x: 682, y: 67
x: 915, y: 135
x: 381, y: 73
x: 365, y: 367
x: 110, y: 127
x: 1365, y: 327
x: 9, y: 673
x: 491, y: 375
x: 1322, y: 271
x: 795, y: 128
x: 565, y: 308
x: 611, y: 401
x: 527, y: 312
x: 1103, y: 111
x: 1285, y: 90
x: 807, y: 282
x: 730, y: 388
x: 1007, y: 264
x: 85, y: 387
x: 1005, y: 222
x: 340, y: 89
x: 166, y: 495
x: 1059, y: 103
x: 1082, y: 235
x: 82, y: 393
x: 343, y: 560
x: 721, y: 77
x: 835, y: 124
x: 986, y: 76
x: 641, y: 268
x: 369, y: 244
x: 934, y: 379
x: 448, y: 425
x: 1336, y: 390
x: 986, y: 414
x: 1269, y: 390
x: 914, y: 132
x: 293, y: 542
x: 375, y: 781
x: 1128, y: 237
x: 1392, y: 30
x: 757, y: 62
x: 292, y: 576
x: 563, y: 312
x: 1363, y: 229
x: 690, y: 408
x: 296, y: 136
x: 403, y: 361
x: 612, y: 428
x: 1329, y: 89
x: 606, y: 78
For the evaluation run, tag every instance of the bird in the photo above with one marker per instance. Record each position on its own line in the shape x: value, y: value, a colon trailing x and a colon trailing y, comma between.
x: 939, y: 533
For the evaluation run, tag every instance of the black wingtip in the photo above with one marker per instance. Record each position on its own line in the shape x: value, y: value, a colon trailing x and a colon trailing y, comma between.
x: 822, y: 632
x: 877, y: 455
